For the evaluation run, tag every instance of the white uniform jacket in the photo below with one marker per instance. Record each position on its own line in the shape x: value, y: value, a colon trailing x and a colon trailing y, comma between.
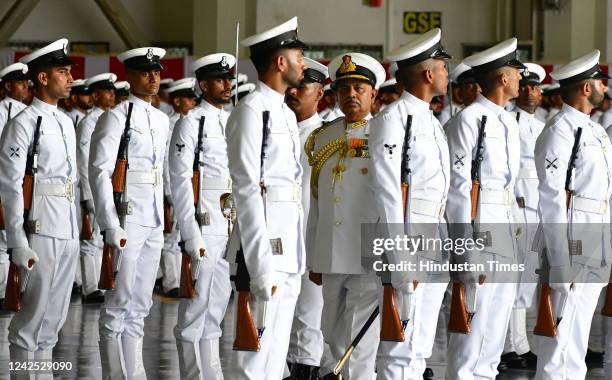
x: 428, y: 163
x: 214, y: 173
x: 589, y: 212
x: 15, y: 107
x: 84, y: 131
x: 173, y: 118
x: 306, y: 127
x: 446, y: 113
x: 527, y: 182
x: 498, y: 172
x: 281, y: 217
x: 342, y: 197
x: 53, y: 202
x: 148, y: 134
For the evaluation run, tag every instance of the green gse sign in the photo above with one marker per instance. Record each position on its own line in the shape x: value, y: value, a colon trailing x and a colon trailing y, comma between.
x: 421, y: 22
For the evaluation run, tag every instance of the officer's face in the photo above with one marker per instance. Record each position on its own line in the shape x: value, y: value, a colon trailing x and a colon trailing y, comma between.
x: 469, y: 93
x: 84, y: 101
x: 183, y: 104
x: 56, y: 81
x: 304, y: 98
x: 530, y: 96
x: 144, y: 83
x: 292, y: 67
x: 355, y: 96
x: 17, y: 89
x: 513, y: 77
x: 596, y: 96
x: 217, y: 91
x: 440, y: 76
x: 104, y: 98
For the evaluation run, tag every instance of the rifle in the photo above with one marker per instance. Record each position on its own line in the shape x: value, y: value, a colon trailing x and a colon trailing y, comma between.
x: 463, y: 306
x: 10, y: 106
x: 248, y: 333
x: 392, y: 326
x: 86, y: 225
x: 607, y: 307
x: 16, y: 282
x: 111, y: 259
x: 168, y: 222
x: 546, y: 323
x: 189, y: 275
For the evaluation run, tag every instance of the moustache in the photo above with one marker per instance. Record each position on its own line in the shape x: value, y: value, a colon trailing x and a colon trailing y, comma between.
x: 351, y: 101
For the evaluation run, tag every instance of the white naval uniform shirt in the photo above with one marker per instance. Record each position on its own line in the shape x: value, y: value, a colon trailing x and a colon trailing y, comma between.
x: 15, y: 106
x: 306, y: 127
x: 527, y: 182
x: 76, y: 116
x: 446, y: 114
x: 148, y: 131
x: 173, y: 118
x: 331, y: 114
x: 606, y: 119
x: 214, y: 173
x: 282, y: 174
x: 429, y: 164
x: 84, y: 131
x: 498, y: 170
x: 343, y: 203
x: 56, y: 165
x: 592, y: 184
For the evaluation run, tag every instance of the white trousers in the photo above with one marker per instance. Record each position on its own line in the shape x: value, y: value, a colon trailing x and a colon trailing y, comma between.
x: 199, y: 319
x: 4, y: 267
x: 91, y: 261
x: 407, y: 360
x: 306, y: 344
x: 562, y: 357
x: 608, y: 347
x: 44, y: 305
x: 170, y: 264
x: 126, y: 306
x: 349, y: 300
x: 268, y: 363
x: 476, y: 355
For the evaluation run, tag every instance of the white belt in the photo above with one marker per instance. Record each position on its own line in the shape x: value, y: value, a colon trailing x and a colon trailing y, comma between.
x: 527, y: 173
x: 65, y: 190
x: 425, y: 207
x: 590, y: 205
x: 149, y: 177
x: 498, y: 197
x: 216, y: 183
x: 284, y: 193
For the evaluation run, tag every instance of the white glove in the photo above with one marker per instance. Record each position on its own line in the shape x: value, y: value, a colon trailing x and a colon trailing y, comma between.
x: 261, y: 287
x: 115, y: 237
x: 22, y: 255
x: 194, y: 246
x: 402, y: 282
x: 562, y: 287
x: 89, y: 205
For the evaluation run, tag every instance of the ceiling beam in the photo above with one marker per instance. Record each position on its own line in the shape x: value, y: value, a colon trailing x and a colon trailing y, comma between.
x: 14, y: 17
x: 125, y: 26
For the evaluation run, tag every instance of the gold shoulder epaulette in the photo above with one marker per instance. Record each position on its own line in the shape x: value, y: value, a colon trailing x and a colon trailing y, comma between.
x: 317, y: 159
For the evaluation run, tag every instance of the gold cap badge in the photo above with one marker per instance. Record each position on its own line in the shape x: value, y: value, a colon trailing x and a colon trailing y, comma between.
x: 347, y: 65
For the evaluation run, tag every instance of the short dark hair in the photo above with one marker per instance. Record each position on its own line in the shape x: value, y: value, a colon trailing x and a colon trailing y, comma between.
x: 488, y: 80
x: 262, y: 61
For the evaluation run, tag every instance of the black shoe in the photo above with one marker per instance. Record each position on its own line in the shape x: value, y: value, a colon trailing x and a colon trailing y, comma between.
x: 76, y: 289
x: 428, y: 374
x: 594, y: 359
x: 158, y: 286
x: 304, y: 372
x: 95, y: 297
x: 527, y: 360
x: 502, y: 367
x: 172, y: 293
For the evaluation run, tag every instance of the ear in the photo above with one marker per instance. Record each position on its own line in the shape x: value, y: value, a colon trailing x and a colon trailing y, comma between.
x: 374, y: 93
x: 503, y: 78
x: 281, y: 62
x: 94, y: 96
x: 43, y: 78
x: 320, y: 93
x: 587, y: 88
x: 428, y: 75
x: 176, y: 101
x: 203, y: 86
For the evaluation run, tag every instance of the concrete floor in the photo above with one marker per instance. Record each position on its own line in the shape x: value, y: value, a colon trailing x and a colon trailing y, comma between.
x: 79, y: 344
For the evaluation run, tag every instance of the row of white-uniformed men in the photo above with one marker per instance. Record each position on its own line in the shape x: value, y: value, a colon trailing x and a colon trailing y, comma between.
x: 121, y: 326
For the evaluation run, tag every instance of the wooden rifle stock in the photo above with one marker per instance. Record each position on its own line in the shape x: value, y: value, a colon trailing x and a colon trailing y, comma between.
x: 12, y: 296
x: 246, y: 338
x: 474, y: 194
x: 458, y: 321
x: 316, y: 278
x: 607, y: 307
x: 391, y: 329
x: 107, y: 278
x: 86, y: 225
x: 545, y: 322
x: 167, y: 217
x: 119, y: 175
x: 1, y: 216
x: 195, y: 183
x: 187, y: 283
